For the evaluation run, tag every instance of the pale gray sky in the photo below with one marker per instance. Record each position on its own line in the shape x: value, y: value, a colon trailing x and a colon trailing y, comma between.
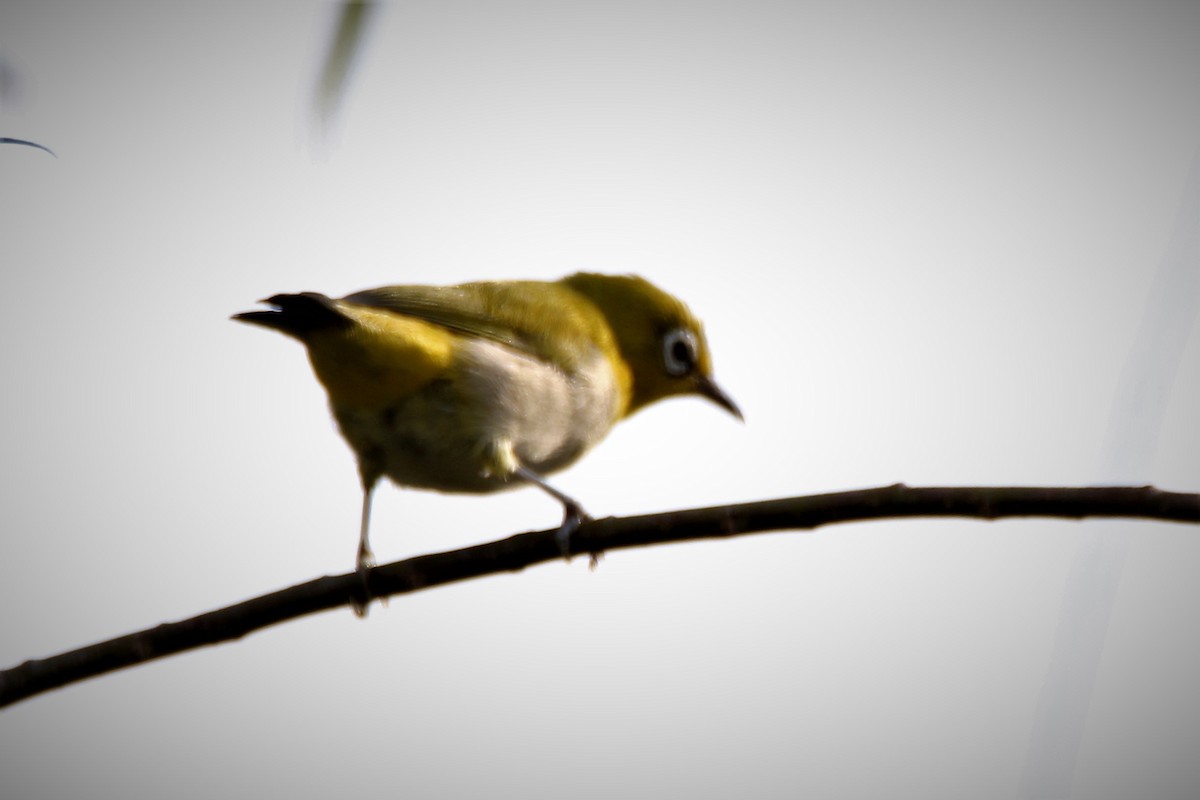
x: 921, y: 236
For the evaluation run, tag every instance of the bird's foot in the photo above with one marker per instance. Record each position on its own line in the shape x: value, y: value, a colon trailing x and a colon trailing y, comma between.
x: 363, y: 566
x: 573, y: 517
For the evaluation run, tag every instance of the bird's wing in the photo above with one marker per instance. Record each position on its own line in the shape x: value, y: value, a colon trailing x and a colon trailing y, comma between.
x: 546, y: 320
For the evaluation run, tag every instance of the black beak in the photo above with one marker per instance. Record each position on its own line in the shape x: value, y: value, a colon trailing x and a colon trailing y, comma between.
x: 707, y: 386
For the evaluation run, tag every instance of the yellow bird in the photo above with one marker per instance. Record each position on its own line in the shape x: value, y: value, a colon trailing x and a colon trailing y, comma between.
x: 490, y: 385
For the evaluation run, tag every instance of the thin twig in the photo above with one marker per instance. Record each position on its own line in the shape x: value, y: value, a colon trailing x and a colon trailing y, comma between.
x: 594, y: 537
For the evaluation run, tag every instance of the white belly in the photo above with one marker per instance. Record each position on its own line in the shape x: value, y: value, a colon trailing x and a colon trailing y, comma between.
x: 461, y: 434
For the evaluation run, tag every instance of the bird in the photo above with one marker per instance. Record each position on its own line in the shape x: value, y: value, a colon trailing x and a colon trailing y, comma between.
x: 490, y: 385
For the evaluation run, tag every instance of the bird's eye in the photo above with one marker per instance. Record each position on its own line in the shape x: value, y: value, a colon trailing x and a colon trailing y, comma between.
x: 679, y: 352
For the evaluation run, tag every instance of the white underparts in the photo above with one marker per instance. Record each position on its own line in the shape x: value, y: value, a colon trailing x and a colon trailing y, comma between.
x: 497, y: 409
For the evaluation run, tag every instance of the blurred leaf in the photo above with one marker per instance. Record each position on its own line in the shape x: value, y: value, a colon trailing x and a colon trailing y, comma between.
x: 347, y: 40
x: 7, y: 140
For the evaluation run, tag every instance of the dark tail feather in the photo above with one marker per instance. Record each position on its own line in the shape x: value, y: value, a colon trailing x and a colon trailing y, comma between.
x: 298, y: 315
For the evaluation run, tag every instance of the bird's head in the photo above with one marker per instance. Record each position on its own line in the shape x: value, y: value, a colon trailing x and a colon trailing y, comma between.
x: 661, y: 342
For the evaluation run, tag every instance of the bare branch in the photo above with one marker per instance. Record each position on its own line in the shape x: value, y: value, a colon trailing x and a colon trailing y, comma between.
x: 594, y: 537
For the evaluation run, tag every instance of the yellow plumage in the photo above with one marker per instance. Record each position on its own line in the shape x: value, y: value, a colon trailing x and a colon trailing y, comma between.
x: 487, y: 385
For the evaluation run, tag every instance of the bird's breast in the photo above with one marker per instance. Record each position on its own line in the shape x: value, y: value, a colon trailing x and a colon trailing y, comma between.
x: 460, y: 432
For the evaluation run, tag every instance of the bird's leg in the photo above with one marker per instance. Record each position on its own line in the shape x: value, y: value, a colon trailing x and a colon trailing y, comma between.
x: 365, y: 559
x: 573, y: 513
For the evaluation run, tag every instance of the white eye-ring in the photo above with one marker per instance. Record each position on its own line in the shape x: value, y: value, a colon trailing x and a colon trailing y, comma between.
x: 679, y: 352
